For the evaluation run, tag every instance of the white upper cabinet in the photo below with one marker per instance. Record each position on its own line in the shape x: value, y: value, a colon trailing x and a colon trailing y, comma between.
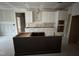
x: 49, y: 17
x: 62, y: 15
x: 29, y: 17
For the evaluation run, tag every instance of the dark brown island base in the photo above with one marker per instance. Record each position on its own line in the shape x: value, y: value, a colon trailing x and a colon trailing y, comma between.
x: 36, y: 43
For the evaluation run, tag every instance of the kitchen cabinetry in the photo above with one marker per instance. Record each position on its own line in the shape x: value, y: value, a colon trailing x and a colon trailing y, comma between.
x: 49, y: 17
x: 62, y: 15
x: 60, y: 25
x: 28, y: 17
x: 37, y: 44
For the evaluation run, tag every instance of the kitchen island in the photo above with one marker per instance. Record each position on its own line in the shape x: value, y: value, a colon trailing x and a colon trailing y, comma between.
x: 36, y: 43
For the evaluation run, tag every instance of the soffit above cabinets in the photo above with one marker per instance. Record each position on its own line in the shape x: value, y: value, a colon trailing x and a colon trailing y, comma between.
x: 41, y: 5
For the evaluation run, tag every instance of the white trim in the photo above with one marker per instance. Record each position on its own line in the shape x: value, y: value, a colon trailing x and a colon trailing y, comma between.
x: 18, y: 11
x: 70, y: 25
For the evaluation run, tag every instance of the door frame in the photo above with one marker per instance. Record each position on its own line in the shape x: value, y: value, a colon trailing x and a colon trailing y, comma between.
x: 70, y: 27
x: 16, y: 20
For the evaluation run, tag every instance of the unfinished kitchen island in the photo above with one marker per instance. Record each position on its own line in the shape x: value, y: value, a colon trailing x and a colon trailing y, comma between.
x: 36, y: 43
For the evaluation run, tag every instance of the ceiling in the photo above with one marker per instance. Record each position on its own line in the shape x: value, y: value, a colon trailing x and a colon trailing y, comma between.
x: 53, y: 5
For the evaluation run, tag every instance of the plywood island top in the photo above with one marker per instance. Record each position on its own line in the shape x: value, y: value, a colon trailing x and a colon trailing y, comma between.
x: 24, y: 34
x: 28, y: 34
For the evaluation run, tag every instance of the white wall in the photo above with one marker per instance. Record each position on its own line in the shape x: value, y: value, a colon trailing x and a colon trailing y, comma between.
x: 7, y: 32
x: 6, y: 22
x: 6, y: 46
x: 72, y: 10
x: 7, y: 19
x: 75, y: 9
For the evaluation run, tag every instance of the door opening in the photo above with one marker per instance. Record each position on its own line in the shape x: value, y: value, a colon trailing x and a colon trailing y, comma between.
x: 20, y: 21
x: 74, y: 30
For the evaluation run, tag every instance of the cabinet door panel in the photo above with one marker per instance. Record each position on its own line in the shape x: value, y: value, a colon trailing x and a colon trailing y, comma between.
x: 29, y: 17
x: 49, y: 17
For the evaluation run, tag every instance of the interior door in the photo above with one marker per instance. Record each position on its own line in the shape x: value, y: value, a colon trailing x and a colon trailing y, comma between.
x: 74, y: 30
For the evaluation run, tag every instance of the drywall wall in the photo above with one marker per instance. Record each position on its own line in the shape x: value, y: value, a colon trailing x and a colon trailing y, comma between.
x: 75, y: 9
x: 7, y: 22
x: 72, y: 11
x: 6, y: 46
x: 7, y: 17
x: 7, y: 32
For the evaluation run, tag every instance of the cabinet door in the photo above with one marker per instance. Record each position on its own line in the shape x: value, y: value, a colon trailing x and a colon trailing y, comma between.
x: 49, y: 17
x: 28, y: 17
x: 62, y: 15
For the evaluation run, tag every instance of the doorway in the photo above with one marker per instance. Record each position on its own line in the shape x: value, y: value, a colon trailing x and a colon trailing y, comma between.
x: 20, y: 21
x: 74, y: 30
